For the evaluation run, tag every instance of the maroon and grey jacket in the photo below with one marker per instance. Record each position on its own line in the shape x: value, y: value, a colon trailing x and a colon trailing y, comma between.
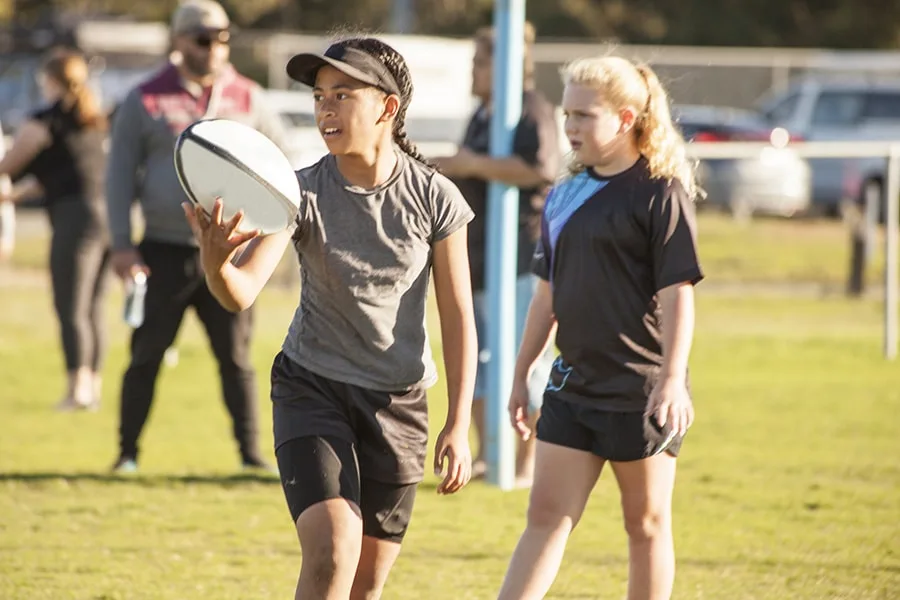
x: 141, y: 160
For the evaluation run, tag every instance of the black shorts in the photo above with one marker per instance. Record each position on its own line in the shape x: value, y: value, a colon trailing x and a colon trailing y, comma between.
x: 374, y: 442
x: 314, y: 469
x: 615, y: 436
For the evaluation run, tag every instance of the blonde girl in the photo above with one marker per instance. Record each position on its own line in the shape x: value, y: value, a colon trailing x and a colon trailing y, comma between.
x: 618, y: 252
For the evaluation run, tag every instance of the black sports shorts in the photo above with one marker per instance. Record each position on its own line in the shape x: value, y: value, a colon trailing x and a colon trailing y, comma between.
x: 314, y: 469
x: 615, y: 436
x: 337, y: 440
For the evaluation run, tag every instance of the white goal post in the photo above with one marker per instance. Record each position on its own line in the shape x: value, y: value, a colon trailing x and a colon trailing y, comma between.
x: 890, y: 151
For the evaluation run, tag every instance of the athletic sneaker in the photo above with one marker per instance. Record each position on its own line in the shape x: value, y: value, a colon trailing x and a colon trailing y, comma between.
x: 70, y: 404
x: 124, y: 466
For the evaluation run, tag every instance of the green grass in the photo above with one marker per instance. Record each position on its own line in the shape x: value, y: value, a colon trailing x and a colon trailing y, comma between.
x: 780, y: 250
x: 789, y: 484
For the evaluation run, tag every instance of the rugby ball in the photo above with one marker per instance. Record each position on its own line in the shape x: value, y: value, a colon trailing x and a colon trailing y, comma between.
x: 221, y: 158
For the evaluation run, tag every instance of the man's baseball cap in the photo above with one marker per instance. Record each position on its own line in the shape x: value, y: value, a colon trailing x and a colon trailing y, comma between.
x: 351, y: 61
x: 192, y: 16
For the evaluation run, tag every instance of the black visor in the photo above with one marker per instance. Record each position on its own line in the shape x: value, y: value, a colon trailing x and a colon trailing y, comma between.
x: 350, y: 61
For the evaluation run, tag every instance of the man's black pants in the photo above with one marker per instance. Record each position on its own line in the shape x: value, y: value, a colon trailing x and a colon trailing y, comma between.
x: 176, y: 282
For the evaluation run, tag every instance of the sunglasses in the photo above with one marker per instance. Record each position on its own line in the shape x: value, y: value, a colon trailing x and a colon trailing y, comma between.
x: 206, y: 39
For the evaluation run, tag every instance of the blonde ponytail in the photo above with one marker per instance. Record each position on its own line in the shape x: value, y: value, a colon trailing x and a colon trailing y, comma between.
x: 624, y: 84
x: 657, y: 138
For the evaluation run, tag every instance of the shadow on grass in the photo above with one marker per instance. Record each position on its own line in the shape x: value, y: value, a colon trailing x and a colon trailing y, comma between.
x: 692, y: 562
x: 158, y: 479
x: 161, y: 480
x: 758, y: 563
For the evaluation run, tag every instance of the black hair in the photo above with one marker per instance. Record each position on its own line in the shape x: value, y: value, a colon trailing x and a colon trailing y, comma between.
x: 393, y: 62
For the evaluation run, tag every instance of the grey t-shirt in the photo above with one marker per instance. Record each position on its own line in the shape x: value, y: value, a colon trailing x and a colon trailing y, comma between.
x: 365, y: 260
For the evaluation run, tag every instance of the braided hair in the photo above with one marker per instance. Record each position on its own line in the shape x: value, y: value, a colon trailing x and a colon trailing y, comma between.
x: 393, y: 62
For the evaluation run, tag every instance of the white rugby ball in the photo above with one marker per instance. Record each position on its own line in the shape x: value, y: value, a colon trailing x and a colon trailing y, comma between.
x: 220, y: 158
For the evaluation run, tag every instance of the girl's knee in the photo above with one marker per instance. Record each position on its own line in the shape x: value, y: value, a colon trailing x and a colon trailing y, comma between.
x: 366, y: 586
x: 331, y: 531
x: 329, y: 556
x: 646, y: 524
x: 323, y: 564
x: 548, y: 512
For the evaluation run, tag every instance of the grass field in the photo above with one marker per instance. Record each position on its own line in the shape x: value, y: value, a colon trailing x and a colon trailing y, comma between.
x: 789, y: 484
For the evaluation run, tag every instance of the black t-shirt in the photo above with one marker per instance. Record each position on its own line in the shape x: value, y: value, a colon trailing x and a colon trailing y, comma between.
x: 536, y: 141
x: 72, y: 167
x: 608, y: 246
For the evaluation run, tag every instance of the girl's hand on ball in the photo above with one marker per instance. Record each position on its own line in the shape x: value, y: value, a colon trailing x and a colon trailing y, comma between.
x: 218, y: 239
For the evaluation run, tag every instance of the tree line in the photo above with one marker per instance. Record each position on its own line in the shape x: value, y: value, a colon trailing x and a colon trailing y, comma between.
x: 871, y: 24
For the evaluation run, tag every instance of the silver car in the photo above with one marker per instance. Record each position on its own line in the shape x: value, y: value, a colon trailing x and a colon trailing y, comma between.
x: 776, y: 182
x: 840, y: 108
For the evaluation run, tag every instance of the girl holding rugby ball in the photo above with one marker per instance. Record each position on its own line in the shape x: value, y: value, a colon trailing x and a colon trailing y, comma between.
x: 348, y: 387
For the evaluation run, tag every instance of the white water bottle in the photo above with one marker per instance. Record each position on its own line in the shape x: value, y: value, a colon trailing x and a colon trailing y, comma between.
x: 134, y: 300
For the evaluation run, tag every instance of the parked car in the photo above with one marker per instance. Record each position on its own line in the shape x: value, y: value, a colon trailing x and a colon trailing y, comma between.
x: 777, y: 182
x: 844, y: 109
